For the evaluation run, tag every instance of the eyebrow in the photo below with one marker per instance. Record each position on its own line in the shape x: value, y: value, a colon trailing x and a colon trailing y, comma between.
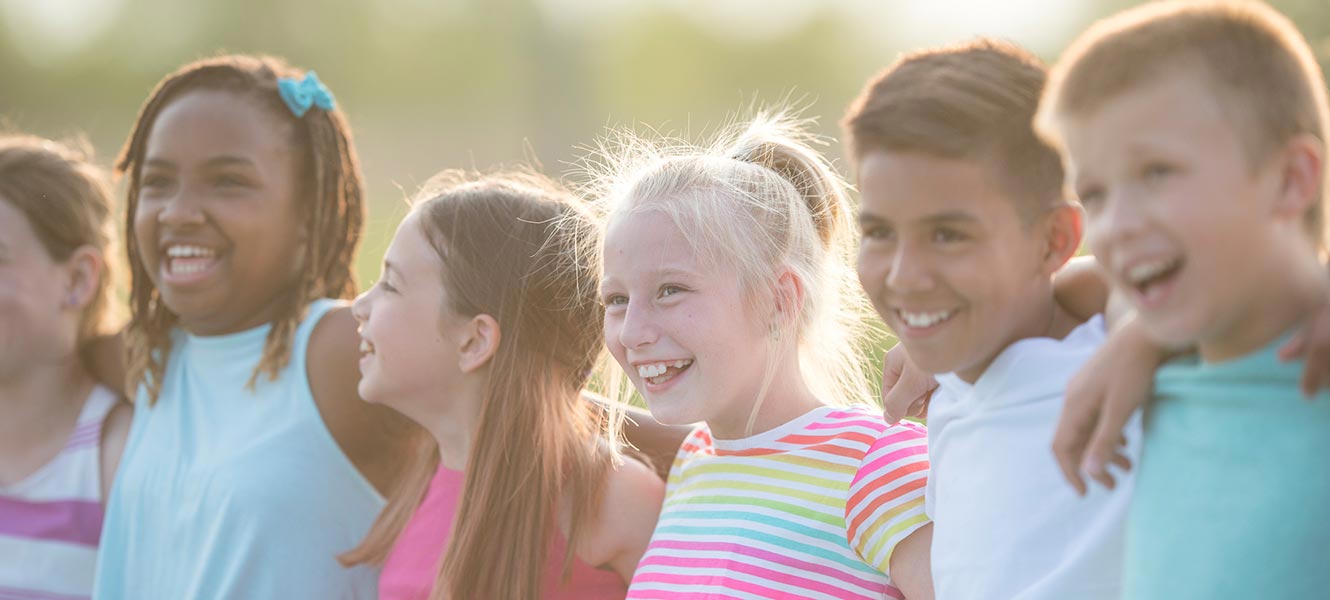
x: 951, y: 216
x: 868, y: 218
x: 216, y: 161
x: 665, y: 272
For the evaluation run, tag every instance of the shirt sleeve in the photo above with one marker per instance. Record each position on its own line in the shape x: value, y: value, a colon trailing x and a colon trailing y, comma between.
x: 886, y: 502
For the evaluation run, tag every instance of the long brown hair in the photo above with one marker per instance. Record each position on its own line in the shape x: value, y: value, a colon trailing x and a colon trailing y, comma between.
x: 330, y: 200
x: 68, y: 203
x: 512, y: 245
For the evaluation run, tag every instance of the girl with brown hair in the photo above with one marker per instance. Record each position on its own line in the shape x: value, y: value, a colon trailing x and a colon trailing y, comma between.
x: 485, y: 329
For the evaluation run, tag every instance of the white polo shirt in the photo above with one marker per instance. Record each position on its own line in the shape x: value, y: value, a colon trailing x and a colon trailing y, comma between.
x: 1006, y: 523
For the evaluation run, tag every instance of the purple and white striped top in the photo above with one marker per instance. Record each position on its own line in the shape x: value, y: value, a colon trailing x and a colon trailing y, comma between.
x: 50, y: 523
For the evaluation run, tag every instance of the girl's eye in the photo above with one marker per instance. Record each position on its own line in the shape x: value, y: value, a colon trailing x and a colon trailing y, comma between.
x: 670, y: 290
x: 615, y: 300
x: 387, y: 287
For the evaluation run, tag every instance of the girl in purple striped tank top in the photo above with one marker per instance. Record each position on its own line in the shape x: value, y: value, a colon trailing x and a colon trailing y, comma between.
x: 62, y: 434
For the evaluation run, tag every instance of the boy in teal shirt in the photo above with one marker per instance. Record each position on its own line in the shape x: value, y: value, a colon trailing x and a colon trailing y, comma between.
x: 1194, y: 135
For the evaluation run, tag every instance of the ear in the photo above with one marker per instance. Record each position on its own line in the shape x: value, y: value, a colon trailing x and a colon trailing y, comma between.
x: 1062, y: 228
x: 480, y: 343
x: 1301, y: 170
x: 84, y: 273
x: 789, y: 297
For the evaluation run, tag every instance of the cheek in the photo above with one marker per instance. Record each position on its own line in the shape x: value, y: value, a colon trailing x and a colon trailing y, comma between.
x: 611, y: 326
x: 872, y: 268
x: 145, y: 234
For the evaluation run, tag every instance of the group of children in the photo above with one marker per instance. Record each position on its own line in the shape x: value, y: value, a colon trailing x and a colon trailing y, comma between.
x: 437, y: 437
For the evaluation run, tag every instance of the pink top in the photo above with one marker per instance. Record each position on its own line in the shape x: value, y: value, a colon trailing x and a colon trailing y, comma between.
x: 410, y: 569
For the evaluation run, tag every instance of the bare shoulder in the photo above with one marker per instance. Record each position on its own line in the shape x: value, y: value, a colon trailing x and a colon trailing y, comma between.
x: 375, y: 438
x: 115, y: 432
x: 628, y: 513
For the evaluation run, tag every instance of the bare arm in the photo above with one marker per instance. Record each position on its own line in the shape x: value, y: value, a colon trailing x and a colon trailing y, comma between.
x: 628, y: 514
x: 1081, y: 288
x: 911, y: 565
x: 115, y: 430
x: 1100, y: 399
x: 658, y: 444
x: 375, y: 438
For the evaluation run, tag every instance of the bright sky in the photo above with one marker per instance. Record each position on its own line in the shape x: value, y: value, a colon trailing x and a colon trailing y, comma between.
x: 47, y: 31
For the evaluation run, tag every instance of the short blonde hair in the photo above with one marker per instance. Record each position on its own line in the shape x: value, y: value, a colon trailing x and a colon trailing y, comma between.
x: 1260, y: 68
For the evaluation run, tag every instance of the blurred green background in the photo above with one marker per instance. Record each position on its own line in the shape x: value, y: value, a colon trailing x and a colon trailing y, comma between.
x: 430, y: 84
x: 433, y: 84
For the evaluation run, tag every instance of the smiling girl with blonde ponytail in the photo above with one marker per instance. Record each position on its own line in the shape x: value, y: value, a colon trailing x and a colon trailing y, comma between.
x: 730, y: 300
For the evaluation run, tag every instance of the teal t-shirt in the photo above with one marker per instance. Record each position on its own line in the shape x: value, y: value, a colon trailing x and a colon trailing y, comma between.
x: 1233, y: 495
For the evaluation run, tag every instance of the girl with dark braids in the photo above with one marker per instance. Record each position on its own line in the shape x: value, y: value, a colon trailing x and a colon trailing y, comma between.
x: 251, y: 461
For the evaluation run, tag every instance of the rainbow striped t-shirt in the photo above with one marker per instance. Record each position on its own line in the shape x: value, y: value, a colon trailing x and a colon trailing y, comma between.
x: 810, y: 509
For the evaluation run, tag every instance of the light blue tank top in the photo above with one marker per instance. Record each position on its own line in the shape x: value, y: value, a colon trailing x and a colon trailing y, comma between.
x: 224, y: 492
x: 1233, y: 495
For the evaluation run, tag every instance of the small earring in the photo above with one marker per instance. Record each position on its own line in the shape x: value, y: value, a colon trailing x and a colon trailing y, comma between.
x: 71, y: 301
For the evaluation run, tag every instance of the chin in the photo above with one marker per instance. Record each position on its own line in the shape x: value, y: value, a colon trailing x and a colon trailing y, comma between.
x: 1170, y: 331
x: 931, y: 363
x: 670, y: 413
x: 367, y: 394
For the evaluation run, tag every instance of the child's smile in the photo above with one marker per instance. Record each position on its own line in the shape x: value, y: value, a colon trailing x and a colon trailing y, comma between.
x: 217, y: 223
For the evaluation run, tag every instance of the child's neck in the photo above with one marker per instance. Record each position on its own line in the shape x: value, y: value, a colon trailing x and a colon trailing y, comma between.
x: 1044, y: 318
x: 787, y: 398
x: 453, y: 425
x: 1285, y: 295
x: 40, y: 407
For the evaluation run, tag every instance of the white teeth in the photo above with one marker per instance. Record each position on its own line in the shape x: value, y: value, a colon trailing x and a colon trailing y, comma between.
x: 1146, y: 271
x: 189, y: 251
x: 925, y: 319
x: 658, y: 369
x: 366, y: 347
x: 186, y: 269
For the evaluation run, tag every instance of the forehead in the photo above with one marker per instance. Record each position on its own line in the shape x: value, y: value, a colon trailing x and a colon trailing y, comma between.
x: 645, y: 235
x: 15, y: 230
x: 1179, y: 109
x: 411, y: 250
x: 202, y: 123
x: 905, y: 186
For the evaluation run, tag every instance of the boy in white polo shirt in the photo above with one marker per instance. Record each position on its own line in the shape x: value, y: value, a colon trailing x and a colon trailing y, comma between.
x: 964, y: 222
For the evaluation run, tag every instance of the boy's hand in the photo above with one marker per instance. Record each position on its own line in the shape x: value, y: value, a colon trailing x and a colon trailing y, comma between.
x: 1100, y: 399
x: 905, y: 389
x: 1312, y: 343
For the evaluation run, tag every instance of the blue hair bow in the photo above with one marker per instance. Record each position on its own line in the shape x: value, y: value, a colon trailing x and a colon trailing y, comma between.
x: 300, y: 95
